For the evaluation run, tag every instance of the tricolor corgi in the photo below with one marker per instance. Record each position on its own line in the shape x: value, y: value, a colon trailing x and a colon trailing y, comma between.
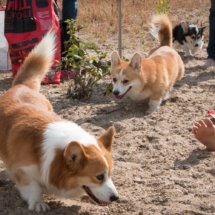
x: 41, y: 150
x: 190, y: 37
x: 152, y: 77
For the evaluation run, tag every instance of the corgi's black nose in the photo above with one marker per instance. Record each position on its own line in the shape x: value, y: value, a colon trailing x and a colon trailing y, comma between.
x: 196, y: 45
x: 116, y: 92
x: 114, y: 198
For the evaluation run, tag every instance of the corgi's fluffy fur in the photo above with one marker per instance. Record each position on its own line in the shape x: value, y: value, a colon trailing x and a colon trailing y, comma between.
x: 190, y: 37
x: 41, y: 151
x: 152, y: 77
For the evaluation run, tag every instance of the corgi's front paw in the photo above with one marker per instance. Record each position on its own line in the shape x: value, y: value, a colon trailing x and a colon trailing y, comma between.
x: 153, y: 106
x: 149, y: 111
x: 187, y: 54
x: 38, y: 206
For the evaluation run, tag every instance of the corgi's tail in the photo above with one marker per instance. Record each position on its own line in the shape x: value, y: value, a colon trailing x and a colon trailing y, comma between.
x: 37, y: 64
x: 161, y: 28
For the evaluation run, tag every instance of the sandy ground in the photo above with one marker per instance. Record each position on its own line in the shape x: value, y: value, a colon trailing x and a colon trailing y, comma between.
x: 159, y: 166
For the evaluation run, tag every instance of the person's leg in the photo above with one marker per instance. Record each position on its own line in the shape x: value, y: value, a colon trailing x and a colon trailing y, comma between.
x: 204, y: 131
x: 211, y: 45
x: 70, y: 9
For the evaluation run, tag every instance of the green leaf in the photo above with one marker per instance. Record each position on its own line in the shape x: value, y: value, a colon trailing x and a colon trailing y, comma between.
x: 108, y: 90
x: 97, y: 52
x: 77, y: 57
x: 91, y: 80
x: 103, y: 55
x: 93, y: 58
x: 74, y: 66
x: 81, y: 52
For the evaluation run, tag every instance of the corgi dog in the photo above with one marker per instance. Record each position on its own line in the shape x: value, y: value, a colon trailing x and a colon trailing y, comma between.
x: 41, y: 150
x: 190, y: 37
x: 152, y: 77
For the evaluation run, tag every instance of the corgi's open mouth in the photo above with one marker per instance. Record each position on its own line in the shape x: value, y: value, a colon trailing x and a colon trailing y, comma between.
x: 120, y: 97
x: 90, y: 194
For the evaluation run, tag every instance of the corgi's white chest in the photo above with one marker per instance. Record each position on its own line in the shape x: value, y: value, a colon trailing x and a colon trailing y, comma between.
x: 138, y: 95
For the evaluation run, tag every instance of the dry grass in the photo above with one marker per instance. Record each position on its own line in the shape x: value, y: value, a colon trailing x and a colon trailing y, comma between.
x: 100, y: 17
x: 3, y: 3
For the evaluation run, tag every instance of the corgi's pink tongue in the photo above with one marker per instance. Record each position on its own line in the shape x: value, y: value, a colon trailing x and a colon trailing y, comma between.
x: 118, y: 97
x: 104, y: 203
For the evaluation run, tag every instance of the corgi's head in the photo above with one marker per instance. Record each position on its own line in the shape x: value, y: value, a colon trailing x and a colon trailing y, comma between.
x: 87, y: 167
x: 125, y: 75
x: 193, y: 34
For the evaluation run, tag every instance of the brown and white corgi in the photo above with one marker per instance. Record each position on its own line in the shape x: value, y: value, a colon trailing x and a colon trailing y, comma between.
x: 152, y: 77
x: 41, y: 150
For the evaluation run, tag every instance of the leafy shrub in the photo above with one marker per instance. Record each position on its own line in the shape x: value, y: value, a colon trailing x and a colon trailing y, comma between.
x: 88, y: 70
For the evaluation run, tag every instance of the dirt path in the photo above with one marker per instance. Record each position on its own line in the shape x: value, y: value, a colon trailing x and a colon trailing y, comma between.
x: 159, y: 167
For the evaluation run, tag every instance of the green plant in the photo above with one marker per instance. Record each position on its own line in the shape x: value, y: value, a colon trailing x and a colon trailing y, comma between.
x: 88, y: 70
x: 162, y: 7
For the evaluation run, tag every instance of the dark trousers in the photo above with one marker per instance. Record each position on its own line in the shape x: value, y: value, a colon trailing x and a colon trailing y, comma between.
x: 70, y: 9
x: 211, y: 45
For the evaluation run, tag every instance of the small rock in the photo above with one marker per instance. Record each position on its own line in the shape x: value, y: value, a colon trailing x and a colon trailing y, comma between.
x: 142, y: 145
x: 196, y: 175
x: 186, y: 166
x: 138, y: 180
x: 122, y: 201
x: 147, y: 148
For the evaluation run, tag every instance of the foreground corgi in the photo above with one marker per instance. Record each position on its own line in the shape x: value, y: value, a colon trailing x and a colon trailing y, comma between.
x: 41, y: 151
x: 152, y: 77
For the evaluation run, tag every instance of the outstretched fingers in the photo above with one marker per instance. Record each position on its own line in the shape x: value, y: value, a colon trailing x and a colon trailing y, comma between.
x: 201, y: 122
x: 194, y: 130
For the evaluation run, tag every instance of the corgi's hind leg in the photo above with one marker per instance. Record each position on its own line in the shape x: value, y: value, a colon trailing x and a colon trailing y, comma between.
x: 30, y: 191
x: 180, y: 68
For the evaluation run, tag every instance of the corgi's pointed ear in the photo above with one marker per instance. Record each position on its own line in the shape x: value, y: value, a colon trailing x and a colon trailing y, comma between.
x: 75, y: 156
x: 185, y: 27
x: 136, y: 62
x: 107, y: 138
x: 204, y: 29
x: 115, y: 59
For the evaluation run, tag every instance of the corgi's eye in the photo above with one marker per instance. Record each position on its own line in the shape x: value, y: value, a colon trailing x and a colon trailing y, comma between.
x: 100, y: 177
x: 193, y: 37
x: 125, y: 81
x: 114, y: 79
